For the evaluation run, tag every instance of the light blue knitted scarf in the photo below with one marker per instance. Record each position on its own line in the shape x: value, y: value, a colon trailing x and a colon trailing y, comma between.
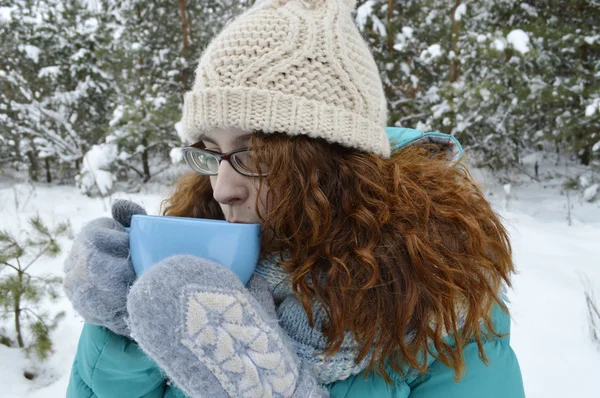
x: 309, y: 342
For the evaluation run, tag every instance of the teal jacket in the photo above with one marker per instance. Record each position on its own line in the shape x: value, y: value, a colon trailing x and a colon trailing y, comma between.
x: 107, y: 365
x: 111, y: 366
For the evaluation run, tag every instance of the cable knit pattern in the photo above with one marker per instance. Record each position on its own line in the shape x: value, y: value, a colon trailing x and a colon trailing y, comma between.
x: 295, y: 67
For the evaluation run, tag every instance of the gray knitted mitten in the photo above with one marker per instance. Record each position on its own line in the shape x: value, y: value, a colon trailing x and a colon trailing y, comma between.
x: 212, y: 336
x: 98, y: 270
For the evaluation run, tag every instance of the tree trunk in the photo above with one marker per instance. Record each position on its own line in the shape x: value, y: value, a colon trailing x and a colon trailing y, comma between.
x: 454, y: 31
x: 33, y: 166
x: 586, y: 156
x: 390, y: 26
x: 186, y: 45
x: 48, y: 174
x: 17, y: 309
x: 145, y: 160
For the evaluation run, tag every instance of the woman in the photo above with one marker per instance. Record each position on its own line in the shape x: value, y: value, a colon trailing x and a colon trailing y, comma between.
x: 382, y: 263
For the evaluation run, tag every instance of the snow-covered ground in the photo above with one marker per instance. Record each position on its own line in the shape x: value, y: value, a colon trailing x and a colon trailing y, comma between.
x: 550, y: 334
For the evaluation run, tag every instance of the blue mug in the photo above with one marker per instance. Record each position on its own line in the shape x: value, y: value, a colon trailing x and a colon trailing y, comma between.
x: 154, y: 238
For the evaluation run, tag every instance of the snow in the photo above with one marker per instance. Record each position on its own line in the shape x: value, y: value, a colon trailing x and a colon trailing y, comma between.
x: 6, y: 14
x: 461, y: 10
x: 94, y: 172
x: 499, y: 44
x: 591, y: 109
x: 550, y: 332
x: 379, y: 26
x: 363, y: 13
x: 519, y: 40
x: 179, y: 129
x: 529, y: 9
x: 432, y: 52
x: 53, y: 204
x: 591, y: 39
x: 89, y: 27
x: 32, y: 52
x: 485, y: 94
x: 596, y: 146
x: 79, y: 54
x: 403, y: 38
x: 117, y: 115
x: 50, y: 71
x: 158, y: 102
x: 590, y: 192
x: 176, y: 155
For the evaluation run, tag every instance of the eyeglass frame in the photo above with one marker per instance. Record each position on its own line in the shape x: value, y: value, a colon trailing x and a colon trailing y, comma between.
x: 220, y: 157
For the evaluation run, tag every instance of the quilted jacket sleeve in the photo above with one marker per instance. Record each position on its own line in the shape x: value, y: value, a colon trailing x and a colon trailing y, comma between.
x: 108, y: 365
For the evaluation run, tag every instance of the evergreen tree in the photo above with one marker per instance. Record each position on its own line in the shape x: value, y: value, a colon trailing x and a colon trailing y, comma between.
x: 21, y: 292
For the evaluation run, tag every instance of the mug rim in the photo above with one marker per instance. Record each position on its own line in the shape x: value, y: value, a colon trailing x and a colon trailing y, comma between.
x: 193, y: 220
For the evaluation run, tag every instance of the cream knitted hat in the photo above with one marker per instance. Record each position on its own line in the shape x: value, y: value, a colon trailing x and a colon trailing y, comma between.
x: 294, y: 67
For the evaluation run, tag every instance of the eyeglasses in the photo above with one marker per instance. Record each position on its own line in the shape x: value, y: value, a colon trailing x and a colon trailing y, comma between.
x: 207, y: 162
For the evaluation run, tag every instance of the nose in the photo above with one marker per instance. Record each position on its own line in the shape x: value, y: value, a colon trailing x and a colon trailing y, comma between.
x: 229, y: 187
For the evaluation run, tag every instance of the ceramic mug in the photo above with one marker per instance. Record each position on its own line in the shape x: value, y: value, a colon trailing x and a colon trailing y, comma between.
x: 154, y: 238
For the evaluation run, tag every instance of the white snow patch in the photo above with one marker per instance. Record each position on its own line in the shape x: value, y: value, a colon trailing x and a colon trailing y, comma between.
x: 432, y: 52
x: 176, y: 155
x: 50, y: 71
x: 95, y: 170
x: 590, y: 192
x: 519, y: 40
x: 158, y: 102
x: 499, y: 44
x: 32, y: 52
x: 591, y: 109
x: 485, y: 94
x: 363, y: 12
x: 461, y: 10
x: 405, y: 68
x: 179, y: 130
x: 79, y: 54
x: 117, y: 115
x: 379, y: 26
x: 529, y: 9
x: 6, y: 14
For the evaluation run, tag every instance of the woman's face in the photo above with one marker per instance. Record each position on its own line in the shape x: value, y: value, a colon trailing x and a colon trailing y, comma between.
x: 235, y: 193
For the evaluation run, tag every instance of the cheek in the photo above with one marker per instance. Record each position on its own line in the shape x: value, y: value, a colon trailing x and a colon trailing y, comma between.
x: 265, y: 200
x: 263, y: 205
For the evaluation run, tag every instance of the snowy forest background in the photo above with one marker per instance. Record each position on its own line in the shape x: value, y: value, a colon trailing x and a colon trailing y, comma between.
x: 90, y: 103
x: 104, y: 79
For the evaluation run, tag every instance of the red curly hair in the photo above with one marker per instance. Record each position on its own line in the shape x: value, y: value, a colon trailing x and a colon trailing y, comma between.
x: 398, y: 244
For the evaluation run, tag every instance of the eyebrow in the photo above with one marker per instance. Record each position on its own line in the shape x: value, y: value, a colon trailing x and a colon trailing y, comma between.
x: 237, y: 140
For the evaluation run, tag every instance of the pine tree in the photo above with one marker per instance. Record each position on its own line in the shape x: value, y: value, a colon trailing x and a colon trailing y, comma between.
x: 21, y: 292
